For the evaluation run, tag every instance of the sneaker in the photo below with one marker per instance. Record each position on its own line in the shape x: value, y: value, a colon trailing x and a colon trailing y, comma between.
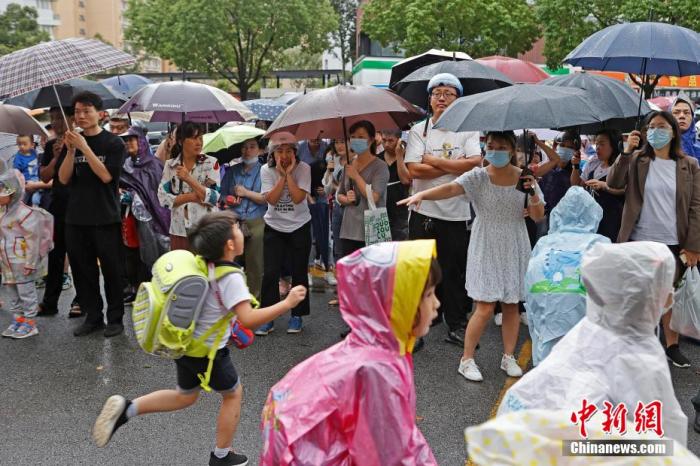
x: 498, y: 319
x: 265, y: 329
x: 294, y: 325
x: 470, y: 370
x: 330, y: 279
x: 510, y: 365
x: 112, y: 416
x: 10, y: 331
x: 456, y: 337
x: 67, y: 282
x: 523, y: 318
x: 673, y: 354
x: 26, y: 329
x: 112, y: 330
x: 232, y: 459
x: 87, y: 328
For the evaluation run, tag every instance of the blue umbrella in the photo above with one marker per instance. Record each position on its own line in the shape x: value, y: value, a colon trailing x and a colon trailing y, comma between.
x: 265, y: 109
x: 127, y: 84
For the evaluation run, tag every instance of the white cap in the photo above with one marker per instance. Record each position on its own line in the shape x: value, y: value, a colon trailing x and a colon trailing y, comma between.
x: 281, y: 138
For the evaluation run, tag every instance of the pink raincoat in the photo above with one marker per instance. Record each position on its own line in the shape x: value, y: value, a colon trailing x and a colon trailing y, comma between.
x: 355, y: 403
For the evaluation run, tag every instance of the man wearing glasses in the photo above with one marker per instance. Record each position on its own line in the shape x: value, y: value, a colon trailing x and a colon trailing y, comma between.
x: 435, y: 157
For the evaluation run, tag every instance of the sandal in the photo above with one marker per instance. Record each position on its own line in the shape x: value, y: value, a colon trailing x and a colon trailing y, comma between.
x: 75, y: 311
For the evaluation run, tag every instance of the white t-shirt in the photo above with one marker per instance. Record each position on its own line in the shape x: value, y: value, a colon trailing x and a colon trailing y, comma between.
x: 657, y: 221
x: 286, y: 216
x: 233, y: 290
x: 448, y: 145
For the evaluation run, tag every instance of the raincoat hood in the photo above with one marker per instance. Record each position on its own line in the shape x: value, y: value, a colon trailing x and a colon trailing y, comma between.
x: 689, y: 138
x: 577, y: 212
x: 380, y: 288
x: 14, y: 180
x: 628, y: 285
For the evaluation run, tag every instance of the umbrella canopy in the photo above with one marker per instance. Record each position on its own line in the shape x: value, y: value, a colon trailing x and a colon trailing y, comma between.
x: 641, y: 48
x: 46, y: 97
x: 519, y: 71
x: 265, y: 109
x: 408, y: 65
x: 228, y: 135
x: 327, y: 113
x: 474, y: 77
x: 521, y: 106
x: 126, y: 84
x: 662, y: 102
x: 179, y: 101
x: 289, y: 98
x: 16, y: 120
x: 53, y: 62
x: 620, y: 99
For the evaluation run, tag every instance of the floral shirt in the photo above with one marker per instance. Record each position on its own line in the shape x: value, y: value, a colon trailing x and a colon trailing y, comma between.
x: 184, y: 216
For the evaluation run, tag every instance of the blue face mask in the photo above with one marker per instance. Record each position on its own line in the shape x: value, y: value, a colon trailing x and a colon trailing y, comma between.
x: 358, y: 145
x: 251, y: 161
x: 565, y: 153
x: 659, y: 137
x: 498, y: 158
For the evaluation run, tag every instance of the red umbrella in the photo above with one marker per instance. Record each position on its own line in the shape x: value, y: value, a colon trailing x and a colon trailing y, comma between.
x: 328, y: 113
x: 663, y: 102
x: 520, y: 71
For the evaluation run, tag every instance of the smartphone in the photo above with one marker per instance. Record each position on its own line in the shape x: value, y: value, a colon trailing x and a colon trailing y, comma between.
x: 521, y: 182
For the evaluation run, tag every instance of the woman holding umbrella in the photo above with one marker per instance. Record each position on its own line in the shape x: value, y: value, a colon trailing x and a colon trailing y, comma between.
x: 662, y: 201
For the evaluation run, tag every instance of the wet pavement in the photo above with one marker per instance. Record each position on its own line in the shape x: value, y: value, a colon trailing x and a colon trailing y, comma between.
x: 52, y: 386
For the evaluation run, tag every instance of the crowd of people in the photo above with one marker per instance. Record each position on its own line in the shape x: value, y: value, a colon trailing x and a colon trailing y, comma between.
x: 117, y: 206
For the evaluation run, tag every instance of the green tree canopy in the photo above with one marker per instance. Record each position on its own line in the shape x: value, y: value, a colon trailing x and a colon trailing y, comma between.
x: 477, y: 27
x: 343, y: 37
x: 236, y: 39
x: 19, y: 29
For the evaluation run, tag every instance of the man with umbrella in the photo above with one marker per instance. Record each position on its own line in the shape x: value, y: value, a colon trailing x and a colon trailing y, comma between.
x: 435, y: 157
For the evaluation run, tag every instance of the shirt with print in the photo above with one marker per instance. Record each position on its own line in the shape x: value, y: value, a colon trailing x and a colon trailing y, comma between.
x: 91, y: 201
x: 249, y: 179
x: 233, y: 291
x: 27, y: 164
x: 286, y: 216
x: 446, y: 145
x: 206, y: 172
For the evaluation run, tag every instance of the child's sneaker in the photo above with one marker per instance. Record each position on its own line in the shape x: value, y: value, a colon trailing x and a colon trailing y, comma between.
x: 112, y: 416
x: 14, y: 326
x: 232, y: 459
x: 26, y: 329
x: 67, y: 282
x: 294, y: 325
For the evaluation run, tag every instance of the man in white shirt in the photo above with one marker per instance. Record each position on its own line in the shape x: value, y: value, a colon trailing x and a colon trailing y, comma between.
x: 435, y: 157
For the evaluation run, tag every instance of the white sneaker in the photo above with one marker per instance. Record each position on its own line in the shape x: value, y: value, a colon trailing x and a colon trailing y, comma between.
x: 330, y: 279
x: 498, y: 319
x: 523, y: 318
x: 470, y: 370
x: 510, y: 365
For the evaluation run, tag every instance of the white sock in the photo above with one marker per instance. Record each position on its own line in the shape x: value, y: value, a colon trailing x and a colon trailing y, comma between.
x: 221, y: 452
x: 131, y: 411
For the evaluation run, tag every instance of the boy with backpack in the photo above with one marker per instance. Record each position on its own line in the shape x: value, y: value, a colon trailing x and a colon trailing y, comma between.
x: 217, y: 239
x: 25, y: 238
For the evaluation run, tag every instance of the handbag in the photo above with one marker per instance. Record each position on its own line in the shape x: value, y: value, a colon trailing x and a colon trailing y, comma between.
x: 130, y: 232
x: 685, y: 318
x: 377, y: 227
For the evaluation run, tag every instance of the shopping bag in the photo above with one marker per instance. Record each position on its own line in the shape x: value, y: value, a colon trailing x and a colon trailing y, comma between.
x: 685, y: 318
x: 377, y: 229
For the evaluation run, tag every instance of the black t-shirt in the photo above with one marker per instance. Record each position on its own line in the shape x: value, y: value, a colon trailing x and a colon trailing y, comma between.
x: 395, y: 190
x: 318, y: 169
x: 92, y: 202
x: 59, y: 192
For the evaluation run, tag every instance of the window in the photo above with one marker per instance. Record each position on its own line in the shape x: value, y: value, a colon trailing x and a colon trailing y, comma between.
x: 82, y: 32
x: 82, y: 18
x: 81, y: 4
x: 43, y: 5
x: 372, y: 48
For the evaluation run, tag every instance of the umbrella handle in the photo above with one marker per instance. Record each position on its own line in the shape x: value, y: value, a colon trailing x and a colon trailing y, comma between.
x: 60, y: 106
x: 641, y: 95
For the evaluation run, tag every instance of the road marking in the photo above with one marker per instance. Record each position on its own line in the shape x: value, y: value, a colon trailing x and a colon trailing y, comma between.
x: 523, y: 361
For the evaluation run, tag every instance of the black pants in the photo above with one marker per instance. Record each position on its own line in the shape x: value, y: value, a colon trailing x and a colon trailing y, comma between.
x: 86, y: 245
x: 280, y: 249
x: 57, y: 259
x: 136, y: 271
x: 348, y: 246
x: 452, y: 243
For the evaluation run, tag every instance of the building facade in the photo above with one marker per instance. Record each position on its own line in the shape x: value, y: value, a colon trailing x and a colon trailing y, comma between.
x: 46, y: 16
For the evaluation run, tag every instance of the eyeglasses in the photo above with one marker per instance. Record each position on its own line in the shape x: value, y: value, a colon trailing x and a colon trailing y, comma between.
x: 445, y: 95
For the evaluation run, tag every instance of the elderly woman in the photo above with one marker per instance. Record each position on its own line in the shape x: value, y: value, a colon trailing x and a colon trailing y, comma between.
x: 662, y: 201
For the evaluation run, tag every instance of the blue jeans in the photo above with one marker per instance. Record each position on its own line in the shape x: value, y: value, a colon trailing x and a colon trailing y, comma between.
x: 320, y: 225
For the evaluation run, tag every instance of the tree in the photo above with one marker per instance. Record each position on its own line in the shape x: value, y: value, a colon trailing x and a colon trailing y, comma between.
x: 238, y: 40
x: 343, y: 37
x: 295, y: 58
x: 477, y: 27
x: 19, y: 29
x: 567, y: 23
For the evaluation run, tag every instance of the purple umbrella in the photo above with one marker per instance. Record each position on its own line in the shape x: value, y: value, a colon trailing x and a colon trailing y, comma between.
x: 179, y: 101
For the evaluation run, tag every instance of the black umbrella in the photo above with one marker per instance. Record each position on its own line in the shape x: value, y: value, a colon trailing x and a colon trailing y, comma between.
x: 473, y: 76
x: 411, y: 64
x: 612, y: 94
x: 45, y: 96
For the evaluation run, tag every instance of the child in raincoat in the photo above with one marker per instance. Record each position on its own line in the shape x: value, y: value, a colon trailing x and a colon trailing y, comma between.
x: 612, y: 354
x: 556, y: 297
x: 355, y: 402
x: 20, y: 259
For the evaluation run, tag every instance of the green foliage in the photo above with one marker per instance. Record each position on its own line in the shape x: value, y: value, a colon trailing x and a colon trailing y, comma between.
x: 477, y: 27
x: 19, y: 29
x: 344, y: 36
x: 237, y: 39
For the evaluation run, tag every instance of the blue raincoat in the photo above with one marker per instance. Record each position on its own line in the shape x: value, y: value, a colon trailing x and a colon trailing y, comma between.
x: 556, y: 297
x: 689, y: 138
